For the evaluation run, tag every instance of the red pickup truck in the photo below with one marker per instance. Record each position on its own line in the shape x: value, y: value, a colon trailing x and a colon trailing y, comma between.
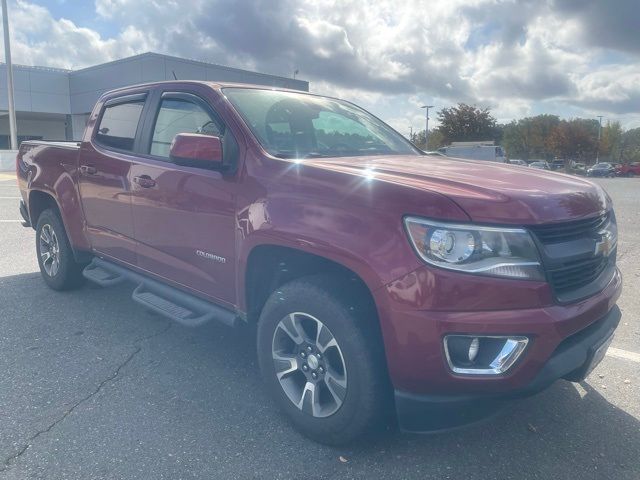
x: 381, y: 280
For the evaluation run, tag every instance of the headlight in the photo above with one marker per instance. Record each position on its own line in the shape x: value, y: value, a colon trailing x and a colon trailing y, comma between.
x: 500, y: 252
x: 609, y: 239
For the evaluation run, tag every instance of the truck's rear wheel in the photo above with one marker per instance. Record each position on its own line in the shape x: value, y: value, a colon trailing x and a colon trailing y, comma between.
x: 321, y: 365
x: 57, y: 265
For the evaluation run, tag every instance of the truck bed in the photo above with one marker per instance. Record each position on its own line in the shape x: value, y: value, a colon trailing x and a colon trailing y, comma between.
x: 45, y: 166
x: 75, y: 145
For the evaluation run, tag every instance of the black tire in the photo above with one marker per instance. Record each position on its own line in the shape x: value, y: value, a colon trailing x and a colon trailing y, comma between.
x: 352, y: 322
x: 68, y: 273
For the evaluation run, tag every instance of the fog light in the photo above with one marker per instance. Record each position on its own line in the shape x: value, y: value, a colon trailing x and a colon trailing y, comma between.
x: 474, y: 346
x: 482, y: 355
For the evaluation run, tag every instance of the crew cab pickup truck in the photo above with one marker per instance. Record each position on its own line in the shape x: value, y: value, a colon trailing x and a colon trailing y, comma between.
x: 384, y: 284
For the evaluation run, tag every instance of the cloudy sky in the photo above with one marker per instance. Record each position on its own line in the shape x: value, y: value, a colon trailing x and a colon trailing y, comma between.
x: 566, y: 57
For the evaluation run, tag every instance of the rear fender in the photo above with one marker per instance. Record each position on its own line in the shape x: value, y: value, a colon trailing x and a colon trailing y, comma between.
x: 52, y: 172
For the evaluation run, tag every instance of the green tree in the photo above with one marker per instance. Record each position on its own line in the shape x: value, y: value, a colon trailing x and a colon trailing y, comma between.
x: 527, y: 138
x: 630, y: 146
x: 418, y: 139
x: 611, y: 141
x: 436, y: 140
x: 467, y: 123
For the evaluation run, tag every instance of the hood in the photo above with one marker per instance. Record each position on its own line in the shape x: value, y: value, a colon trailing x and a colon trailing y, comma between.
x: 488, y: 192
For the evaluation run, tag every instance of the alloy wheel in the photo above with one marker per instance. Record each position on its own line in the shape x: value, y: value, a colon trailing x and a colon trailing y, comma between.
x: 309, y: 364
x: 49, y: 250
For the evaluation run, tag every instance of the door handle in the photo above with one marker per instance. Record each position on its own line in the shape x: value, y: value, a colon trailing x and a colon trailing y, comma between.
x: 88, y: 169
x: 145, y: 181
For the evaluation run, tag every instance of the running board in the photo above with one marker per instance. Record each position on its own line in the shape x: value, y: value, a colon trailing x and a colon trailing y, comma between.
x: 101, y: 273
x: 163, y: 299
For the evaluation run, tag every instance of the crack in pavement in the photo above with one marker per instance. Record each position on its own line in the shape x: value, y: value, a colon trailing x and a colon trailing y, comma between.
x: 138, y: 348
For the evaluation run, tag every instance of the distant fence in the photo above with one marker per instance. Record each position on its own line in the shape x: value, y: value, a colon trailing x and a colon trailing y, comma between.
x: 8, y: 160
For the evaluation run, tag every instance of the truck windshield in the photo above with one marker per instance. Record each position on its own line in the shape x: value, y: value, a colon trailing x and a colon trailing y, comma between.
x: 295, y: 125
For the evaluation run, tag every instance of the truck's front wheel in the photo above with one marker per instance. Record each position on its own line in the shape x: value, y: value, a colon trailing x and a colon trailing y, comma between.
x: 321, y: 363
x: 57, y: 265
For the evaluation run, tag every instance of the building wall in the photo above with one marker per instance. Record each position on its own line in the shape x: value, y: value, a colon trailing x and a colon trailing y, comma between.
x: 49, y: 128
x: 36, y: 89
x: 78, y: 122
x: 8, y: 160
x: 47, y: 99
x: 88, y: 84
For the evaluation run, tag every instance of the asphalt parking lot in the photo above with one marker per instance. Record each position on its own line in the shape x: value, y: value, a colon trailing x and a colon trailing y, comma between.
x: 93, y: 386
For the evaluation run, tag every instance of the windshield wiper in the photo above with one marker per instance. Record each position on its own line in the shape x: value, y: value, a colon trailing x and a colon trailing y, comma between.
x: 284, y: 154
x: 295, y: 155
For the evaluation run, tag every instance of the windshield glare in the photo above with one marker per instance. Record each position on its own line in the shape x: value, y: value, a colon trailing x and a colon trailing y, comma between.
x: 294, y: 125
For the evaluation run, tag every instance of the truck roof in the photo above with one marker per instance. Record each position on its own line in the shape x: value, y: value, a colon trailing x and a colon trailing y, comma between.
x: 211, y: 84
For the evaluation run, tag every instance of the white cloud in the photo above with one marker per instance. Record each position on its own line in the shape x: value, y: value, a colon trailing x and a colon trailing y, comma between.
x: 617, y: 89
x: 39, y: 39
x: 513, y: 56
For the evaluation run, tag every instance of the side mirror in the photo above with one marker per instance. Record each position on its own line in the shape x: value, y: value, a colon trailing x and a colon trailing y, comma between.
x: 196, y: 150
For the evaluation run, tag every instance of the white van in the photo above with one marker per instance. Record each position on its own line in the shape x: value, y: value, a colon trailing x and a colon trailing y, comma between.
x: 484, y: 150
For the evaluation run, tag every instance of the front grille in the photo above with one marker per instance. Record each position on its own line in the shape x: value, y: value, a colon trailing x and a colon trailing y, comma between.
x: 582, y: 267
x: 564, y: 232
x: 573, y: 275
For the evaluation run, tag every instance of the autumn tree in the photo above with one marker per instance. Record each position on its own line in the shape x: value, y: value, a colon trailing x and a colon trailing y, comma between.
x: 575, y: 139
x: 467, y: 123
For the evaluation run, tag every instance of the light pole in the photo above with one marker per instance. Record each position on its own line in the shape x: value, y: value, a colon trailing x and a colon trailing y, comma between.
x: 599, y: 133
x: 411, y: 133
x: 7, y: 59
x: 426, y: 130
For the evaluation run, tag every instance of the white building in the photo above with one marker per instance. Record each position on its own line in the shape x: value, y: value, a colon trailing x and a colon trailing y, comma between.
x: 53, y: 104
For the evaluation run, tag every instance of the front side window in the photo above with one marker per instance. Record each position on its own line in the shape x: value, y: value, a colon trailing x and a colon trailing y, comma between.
x: 179, y: 116
x: 295, y: 125
x: 119, y: 124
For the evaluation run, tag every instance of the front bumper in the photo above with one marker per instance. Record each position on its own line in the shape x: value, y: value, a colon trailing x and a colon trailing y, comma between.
x: 415, y: 317
x: 571, y: 361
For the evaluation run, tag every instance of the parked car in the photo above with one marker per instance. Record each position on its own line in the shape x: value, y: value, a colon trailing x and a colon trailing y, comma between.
x: 628, y: 169
x: 602, y: 169
x: 515, y: 161
x: 557, y: 164
x: 540, y: 165
x: 376, y: 283
x: 579, y: 168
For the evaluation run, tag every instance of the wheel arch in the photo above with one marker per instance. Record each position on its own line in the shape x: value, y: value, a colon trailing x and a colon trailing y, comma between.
x: 269, y: 266
x: 38, y: 202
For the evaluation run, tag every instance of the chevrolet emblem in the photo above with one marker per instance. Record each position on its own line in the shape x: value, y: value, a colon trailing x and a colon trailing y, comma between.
x: 604, y: 245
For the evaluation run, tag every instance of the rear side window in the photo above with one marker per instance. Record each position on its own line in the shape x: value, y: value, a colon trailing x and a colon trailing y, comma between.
x: 179, y: 116
x: 119, y: 124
